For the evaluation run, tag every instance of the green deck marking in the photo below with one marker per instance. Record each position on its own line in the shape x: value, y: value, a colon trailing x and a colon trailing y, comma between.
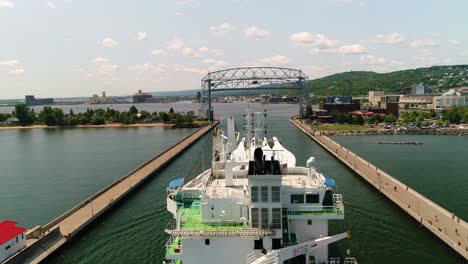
x: 191, y: 220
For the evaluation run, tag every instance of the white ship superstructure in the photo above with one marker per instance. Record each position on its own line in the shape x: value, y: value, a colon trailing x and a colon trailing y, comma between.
x: 253, y: 206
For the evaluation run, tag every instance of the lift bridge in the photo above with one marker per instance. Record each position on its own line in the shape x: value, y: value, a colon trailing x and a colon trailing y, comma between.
x: 251, y: 78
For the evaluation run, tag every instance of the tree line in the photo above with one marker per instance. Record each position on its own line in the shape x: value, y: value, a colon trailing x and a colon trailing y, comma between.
x: 56, y: 117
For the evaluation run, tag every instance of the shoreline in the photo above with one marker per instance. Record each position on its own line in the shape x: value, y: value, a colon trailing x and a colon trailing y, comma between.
x: 446, y: 132
x: 86, y: 126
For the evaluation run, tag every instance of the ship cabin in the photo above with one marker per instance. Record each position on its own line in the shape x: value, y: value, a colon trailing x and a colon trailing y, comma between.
x: 269, y: 208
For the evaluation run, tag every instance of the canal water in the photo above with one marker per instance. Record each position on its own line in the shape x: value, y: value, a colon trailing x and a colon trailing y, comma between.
x: 134, y: 232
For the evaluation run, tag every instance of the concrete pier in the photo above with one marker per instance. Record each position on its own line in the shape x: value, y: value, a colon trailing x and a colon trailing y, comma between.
x: 44, y: 240
x: 445, y: 225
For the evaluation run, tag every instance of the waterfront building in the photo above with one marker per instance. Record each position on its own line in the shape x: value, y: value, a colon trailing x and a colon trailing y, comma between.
x: 375, y: 96
x: 419, y: 89
x: 416, y: 101
x: 449, y: 101
x: 12, y: 239
x: 30, y: 100
x: 141, y: 97
x: 95, y: 99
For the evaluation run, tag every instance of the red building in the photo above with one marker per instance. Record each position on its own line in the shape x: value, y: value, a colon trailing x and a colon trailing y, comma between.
x: 12, y: 239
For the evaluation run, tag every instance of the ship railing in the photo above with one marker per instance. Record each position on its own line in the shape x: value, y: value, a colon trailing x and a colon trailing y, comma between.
x: 336, y: 209
x: 350, y: 260
x: 173, y: 246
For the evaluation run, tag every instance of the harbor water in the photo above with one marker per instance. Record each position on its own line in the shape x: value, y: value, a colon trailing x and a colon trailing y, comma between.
x: 45, y: 172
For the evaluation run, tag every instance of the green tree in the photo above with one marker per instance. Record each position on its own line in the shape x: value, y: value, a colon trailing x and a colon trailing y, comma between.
x: 308, y: 111
x: 59, y: 116
x: 358, y: 120
x: 390, y: 119
x: 23, y: 115
x: 133, y: 110
x: 144, y: 115
x: 98, y: 120
x: 47, y: 115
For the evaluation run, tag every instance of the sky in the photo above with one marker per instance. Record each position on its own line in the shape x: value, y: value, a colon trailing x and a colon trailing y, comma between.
x: 66, y: 48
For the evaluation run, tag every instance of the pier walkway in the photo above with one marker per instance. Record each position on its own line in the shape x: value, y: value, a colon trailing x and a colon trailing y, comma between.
x: 445, y: 225
x: 44, y: 240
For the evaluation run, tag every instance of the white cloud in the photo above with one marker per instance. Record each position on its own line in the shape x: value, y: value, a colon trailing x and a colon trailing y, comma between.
x: 205, y: 51
x: 423, y: 42
x: 214, y: 64
x: 352, y: 49
x: 175, y: 44
x: 190, y: 52
x: 51, y: 5
x: 180, y: 68
x: 103, y: 67
x: 319, y: 41
x: 317, y: 71
x: 396, y: 63
x: 108, y: 42
x: 218, y: 52
x: 7, y: 4
x: 426, y: 58
x: 149, y: 68
x: 187, y: 2
x: 372, y: 60
x: 142, y: 36
x: 276, y: 60
x: 107, y: 68
x: 99, y: 60
x: 341, y: 1
x: 392, y: 38
x: 454, y: 42
x: 158, y: 52
x: 257, y: 32
x: 16, y: 72
x: 9, y: 63
x: 179, y: 14
x: 221, y: 29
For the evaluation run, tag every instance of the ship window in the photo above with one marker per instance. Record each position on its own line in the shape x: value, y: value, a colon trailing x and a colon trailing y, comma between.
x: 258, y: 244
x: 207, y: 241
x: 8, y: 247
x: 16, y: 239
x: 275, y: 194
x: 312, y: 198
x: 22, y: 235
x: 254, y: 194
x: 264, y: 217
x: 276, y: 218
x: 276, y: 243
x: 264, y: 192
x: 297, y: 198
x: 254, y: 217
x: 309, y: 222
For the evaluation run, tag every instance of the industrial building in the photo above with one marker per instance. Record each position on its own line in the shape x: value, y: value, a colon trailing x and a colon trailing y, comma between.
x: 141, y: 97
x: 30, y: 100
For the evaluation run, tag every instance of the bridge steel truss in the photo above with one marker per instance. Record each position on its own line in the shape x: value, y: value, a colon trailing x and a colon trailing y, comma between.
x: 251, y: 78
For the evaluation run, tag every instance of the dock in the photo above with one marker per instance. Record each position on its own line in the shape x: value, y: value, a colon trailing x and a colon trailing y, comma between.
x: 445, y: 225
x: 44, y: 240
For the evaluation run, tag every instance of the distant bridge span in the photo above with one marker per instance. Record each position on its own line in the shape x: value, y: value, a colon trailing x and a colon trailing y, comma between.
x: 250, y: 78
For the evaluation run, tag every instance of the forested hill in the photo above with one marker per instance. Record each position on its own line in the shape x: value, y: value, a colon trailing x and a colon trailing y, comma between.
x: 361, y: 82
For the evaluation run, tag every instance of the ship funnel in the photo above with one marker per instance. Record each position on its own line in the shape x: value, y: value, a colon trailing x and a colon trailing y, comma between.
x: 258, y: 158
